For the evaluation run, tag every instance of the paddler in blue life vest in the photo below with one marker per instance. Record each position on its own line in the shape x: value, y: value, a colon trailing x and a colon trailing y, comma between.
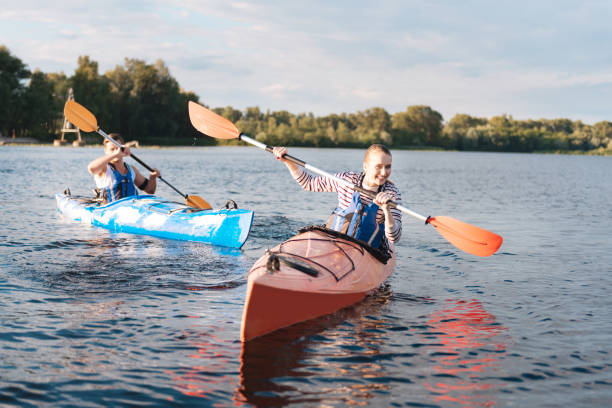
x: 358, y: 215
x: 114, y: 178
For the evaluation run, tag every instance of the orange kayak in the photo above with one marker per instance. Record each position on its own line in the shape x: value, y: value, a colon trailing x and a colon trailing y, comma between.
x: 312, y: 274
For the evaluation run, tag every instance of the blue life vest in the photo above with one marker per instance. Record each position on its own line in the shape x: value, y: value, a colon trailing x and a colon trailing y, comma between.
x: 121, y: 185
x: 358, y: 221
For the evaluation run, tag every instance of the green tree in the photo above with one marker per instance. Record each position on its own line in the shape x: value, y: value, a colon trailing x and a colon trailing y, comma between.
x: 455, y: 131
x: 562, y: 125
x: 418, y: 125
x: 92, y: 90
x: 231, y: 114
x: 121, y: 83
x: 343, y: 133
x: 500, y: 129
x: 44, y: 110
x: 282, y: 117
x: 59, y: 82
x: 12, y: 74
x: 602, y: 135
x: 186, y: 133
x: 149, y: 106
x: 155, y: 94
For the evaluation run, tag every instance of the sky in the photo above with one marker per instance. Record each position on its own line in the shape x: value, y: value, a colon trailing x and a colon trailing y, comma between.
x: 528, y: 59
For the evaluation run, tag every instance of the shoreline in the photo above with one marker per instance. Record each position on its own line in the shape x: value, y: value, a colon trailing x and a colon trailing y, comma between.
x: 30, y: 142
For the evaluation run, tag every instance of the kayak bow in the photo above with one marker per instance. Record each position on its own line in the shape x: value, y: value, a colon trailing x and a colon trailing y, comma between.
x: 314, y: 273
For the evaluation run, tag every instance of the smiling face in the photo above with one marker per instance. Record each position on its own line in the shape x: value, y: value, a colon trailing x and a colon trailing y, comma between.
x: 377, y: 168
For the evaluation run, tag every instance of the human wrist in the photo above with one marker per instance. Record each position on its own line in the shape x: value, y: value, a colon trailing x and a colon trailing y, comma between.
x: 295, y: 170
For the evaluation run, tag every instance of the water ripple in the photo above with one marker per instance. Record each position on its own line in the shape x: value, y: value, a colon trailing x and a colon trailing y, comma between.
x: 92, y: 318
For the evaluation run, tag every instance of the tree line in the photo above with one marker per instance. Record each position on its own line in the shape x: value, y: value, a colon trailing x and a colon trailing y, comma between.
x: 141, y: 101
x: 144, y: 102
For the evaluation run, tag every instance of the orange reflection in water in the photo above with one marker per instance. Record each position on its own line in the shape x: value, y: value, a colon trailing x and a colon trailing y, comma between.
x: 465, y: 329
x: 294, y: 353
x: 210, y: 367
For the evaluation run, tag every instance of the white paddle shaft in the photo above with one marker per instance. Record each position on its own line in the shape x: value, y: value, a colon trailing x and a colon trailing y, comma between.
x: 346, y: 183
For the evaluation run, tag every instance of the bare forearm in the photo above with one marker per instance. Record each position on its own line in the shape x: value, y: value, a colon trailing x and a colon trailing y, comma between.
x: 151, y: 185
x: 293, y: 169
x: 98, y: 165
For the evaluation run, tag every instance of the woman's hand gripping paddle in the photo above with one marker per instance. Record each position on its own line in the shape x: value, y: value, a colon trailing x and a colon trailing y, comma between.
x: 79, y: 116
x: 469, y: 238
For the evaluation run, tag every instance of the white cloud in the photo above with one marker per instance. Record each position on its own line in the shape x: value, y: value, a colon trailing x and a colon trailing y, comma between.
x: 314, y: 56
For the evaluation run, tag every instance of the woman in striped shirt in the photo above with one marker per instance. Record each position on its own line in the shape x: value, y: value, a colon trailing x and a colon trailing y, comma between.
x: 375, y: 178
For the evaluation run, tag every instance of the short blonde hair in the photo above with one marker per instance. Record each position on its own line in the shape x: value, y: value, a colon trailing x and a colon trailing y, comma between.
x: 376, y: 148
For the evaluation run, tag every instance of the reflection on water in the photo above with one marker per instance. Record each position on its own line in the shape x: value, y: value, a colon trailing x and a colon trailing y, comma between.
x: 350, y: 358
x: 211, y: 364
x: 331, y: 358
x: 91, y: 318
x: 471, y: 348
x: 116, y: 263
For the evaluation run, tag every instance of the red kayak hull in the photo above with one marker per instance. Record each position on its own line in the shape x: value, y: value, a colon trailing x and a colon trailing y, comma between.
x: 287, y: 292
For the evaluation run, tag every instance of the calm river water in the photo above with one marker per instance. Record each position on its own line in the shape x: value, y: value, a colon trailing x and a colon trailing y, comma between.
x: 89, y: 318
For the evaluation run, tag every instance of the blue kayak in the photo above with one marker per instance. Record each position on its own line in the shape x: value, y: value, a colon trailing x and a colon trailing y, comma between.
x: 152, y: 215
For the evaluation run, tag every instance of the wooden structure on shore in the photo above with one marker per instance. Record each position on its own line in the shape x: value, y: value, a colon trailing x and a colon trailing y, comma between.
x: 68, y: 127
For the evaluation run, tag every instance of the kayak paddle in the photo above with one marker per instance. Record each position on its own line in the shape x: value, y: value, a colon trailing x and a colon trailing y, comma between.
x: 467, y: 237
x: 79, y: 116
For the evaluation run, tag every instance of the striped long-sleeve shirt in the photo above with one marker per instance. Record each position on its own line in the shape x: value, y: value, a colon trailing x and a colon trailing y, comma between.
x: 345, y: 195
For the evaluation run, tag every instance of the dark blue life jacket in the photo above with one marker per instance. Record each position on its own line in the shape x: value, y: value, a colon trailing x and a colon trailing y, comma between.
x: 121, y: 185
x: 358, y: 221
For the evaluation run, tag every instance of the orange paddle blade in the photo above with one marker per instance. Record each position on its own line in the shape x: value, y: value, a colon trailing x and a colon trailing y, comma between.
x: 197, y: 202
x: 80, y: 117
x: 467, y: 237
x: 211, y: 124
